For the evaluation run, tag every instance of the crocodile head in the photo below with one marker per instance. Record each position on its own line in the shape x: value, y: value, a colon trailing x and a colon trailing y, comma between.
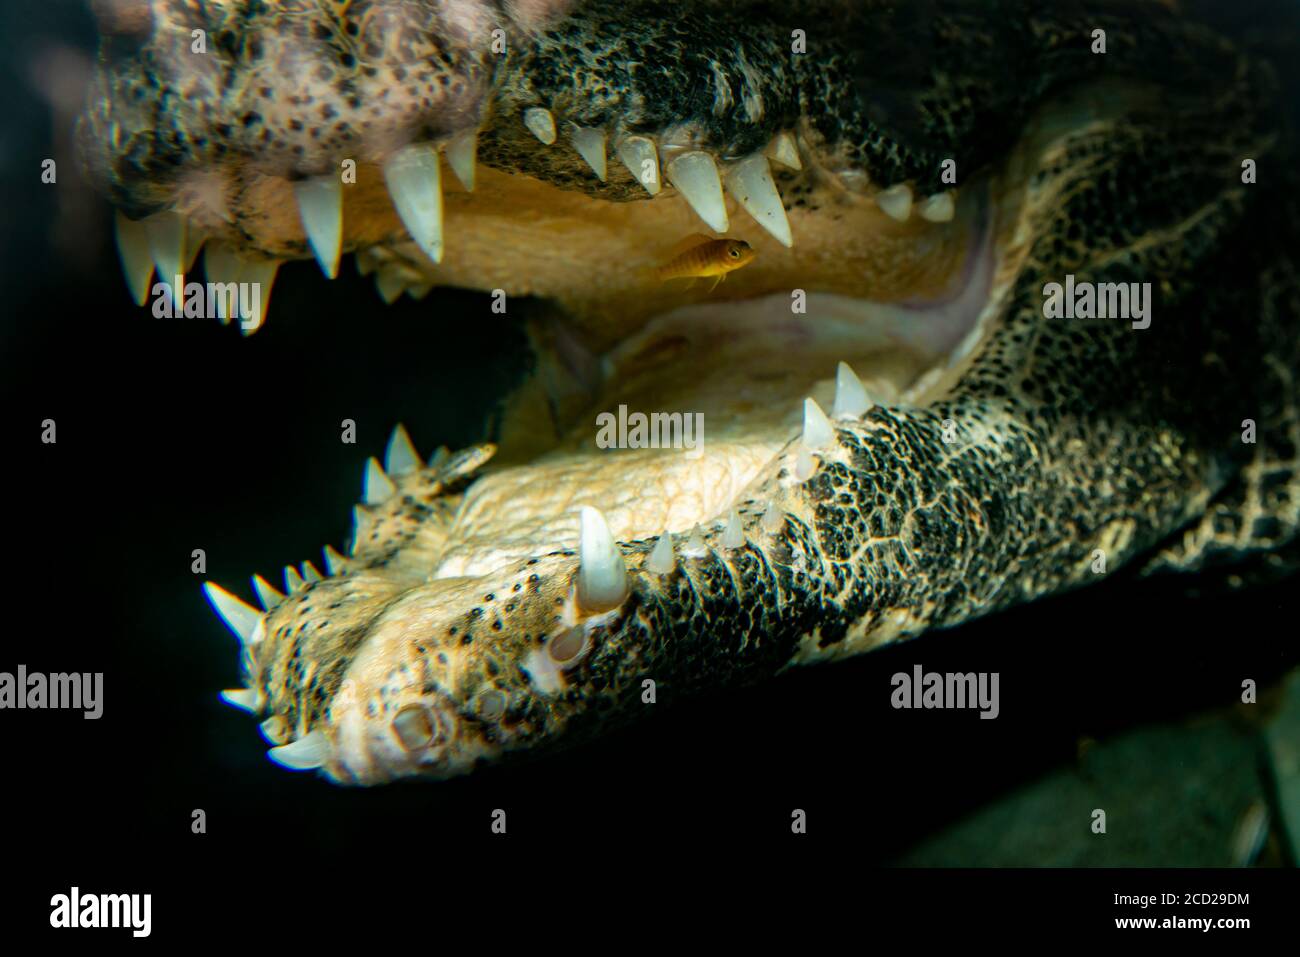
x: 879, y: 426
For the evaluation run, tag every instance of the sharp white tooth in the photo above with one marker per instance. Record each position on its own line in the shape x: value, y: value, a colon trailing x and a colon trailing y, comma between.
x: 540, y: 123
x: 804, y: 465
x: 334, y: 562
x: 379, y: 487
x: 773, y: 520
x: 695, y: 546
x: 401, y: 456
x: 414, y: 180
x: 266, y: 594
x: 137, y: 261
x: 292, y: 580
x: 244, y: 698
x: 783, y: 150
x: 896, y: 202
x: 261, y: 274
x: 166, y: 232
x: 320, y: 206
x: 750, y: 181
x: 275, y: 729
x: 939, y: 208
x: 696, y: 177
x: 391, y: 284
x: 733, y: 536
x: 851, y: 399
x: 310, y: 574
x: 307, y: 753
x: 639, y: 155
x: 590, y: 145
x: 602, y: 577
x: 462, y: 156
x: 818, y: 433
x: 661, y: 560
x: 241, y: 618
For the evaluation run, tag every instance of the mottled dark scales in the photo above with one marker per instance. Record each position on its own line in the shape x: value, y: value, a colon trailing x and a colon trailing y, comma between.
x: 1057, y: 440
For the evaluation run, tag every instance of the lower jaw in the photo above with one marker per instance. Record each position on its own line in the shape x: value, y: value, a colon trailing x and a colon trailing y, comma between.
x: 688, y: 417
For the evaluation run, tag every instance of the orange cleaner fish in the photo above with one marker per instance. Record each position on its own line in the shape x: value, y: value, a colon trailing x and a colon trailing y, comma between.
x: 710, y: 257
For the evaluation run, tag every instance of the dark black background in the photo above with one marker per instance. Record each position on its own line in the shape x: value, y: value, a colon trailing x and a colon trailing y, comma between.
x: 176, y: 434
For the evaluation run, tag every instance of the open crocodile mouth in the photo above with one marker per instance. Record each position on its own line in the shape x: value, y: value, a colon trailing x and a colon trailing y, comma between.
x: 663, y: 423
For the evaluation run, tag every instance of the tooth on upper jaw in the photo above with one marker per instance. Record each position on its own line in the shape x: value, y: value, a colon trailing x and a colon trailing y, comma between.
x: 773, y: 521
x: 244, y: 698
x: 266, y: 594
x: 307, y: 753
x: 420, y: 290
x: 166, y: 233
x: 334, y: 562
x: 636, y: 152
x: 310, y: 574
x: 818, y: 433
x: 275, y: 729
x: 320, y: 207
x: 939, y: 208
x: 261, y: 274
x: 379, y: 487
x: 137, y: 261
x: 804, y: 465
x: 896, y: 202
x: 401, y: 456
x: 414, y: 179
x: 602, y: 577
x: 540, y: 123
x: 750, y: 181
x: 851, y: 399
x: 590, y: 145
x: 391, y: 284
x: 194, y: 240
x: 784, y: 151
x: 696, y: 177
x: 462, y: 156
x: 241, y: 618
x: 661, y: 560
x: 733, y: 536
x: 292, y: 580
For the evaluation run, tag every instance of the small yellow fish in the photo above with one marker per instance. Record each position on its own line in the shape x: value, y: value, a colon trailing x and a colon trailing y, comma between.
x: 711, y: 257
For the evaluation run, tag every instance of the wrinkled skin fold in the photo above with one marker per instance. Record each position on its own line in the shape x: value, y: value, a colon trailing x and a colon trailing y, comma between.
x: 482, y: 613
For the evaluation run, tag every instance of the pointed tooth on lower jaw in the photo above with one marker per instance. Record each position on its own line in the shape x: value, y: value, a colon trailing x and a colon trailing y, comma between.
x: 639, y: 154
x: 602, y: 576
x: 262, y: 274
x: 733, y: 536
x: 310, y: 574
x: 242, y: 698
x: 306, y: 754
x: 773, y: 521
x: 414, y: 179
x: 540, y: 123
x: 695, y: 546
x: 378, y: 486
x: 166, y: 234
x: 695, y: 175
x: 241, y: 618
x: 851, y: 399
x: 334, y: 562
x: 401, y: 457
x: 266, y: 593
x: 590, y: 145
x: 137, y: 261
x: 784, y: 150
x: 292, y: 580
x: 818, y: 433
x: 320, y: 207
x: 662, y: 560
x: 805, y: 466
x: 462, y: 157
x: 939, y: 208
x: 750, y: 181
x: 896, y: 202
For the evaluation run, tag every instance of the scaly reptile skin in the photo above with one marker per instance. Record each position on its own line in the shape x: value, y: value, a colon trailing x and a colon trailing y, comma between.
x: 990, y: 480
